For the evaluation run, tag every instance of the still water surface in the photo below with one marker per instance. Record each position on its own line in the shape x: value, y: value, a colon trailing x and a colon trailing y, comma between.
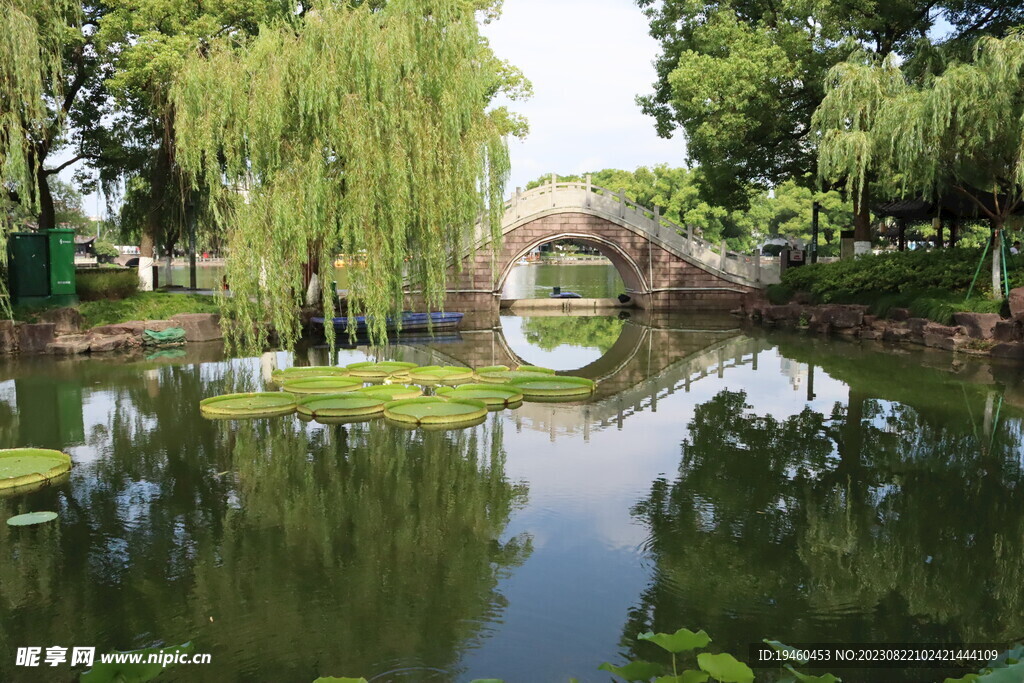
x: 752, y: 486
x: 535, y: 281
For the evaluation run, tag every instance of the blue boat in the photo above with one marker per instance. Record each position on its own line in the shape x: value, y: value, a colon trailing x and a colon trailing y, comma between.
x: 410, y: 322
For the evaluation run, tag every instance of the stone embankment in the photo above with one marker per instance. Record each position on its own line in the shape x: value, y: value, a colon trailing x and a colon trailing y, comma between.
x: 59, y: 331
x: 986, y: 334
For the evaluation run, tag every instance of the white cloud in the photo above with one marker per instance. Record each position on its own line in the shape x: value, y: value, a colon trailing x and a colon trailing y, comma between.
x: 588, y: 60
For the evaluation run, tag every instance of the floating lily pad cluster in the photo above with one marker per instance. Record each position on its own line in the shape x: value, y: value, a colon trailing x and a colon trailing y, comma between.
x: 23, y: 470
x: 362, y: 391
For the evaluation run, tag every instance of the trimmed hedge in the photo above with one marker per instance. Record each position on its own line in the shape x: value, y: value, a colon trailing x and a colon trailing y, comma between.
x: 106, y: 283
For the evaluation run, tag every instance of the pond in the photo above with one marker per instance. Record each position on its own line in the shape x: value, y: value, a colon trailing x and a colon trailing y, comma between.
x: 753, y: 486
x: 534, y: 281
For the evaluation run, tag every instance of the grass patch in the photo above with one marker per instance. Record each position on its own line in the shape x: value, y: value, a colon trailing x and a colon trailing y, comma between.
x: 145, y: 306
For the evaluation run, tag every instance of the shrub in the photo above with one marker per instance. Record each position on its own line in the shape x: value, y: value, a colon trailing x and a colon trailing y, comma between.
x: 779, y: 294
x: 106, y: 283
x: 872, y: 276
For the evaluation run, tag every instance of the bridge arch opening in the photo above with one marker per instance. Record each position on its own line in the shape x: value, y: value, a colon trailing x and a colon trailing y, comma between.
x: 629, y: 271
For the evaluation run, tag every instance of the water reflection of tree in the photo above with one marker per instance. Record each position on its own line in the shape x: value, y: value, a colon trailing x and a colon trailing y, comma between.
x: 878, y: 523
x: 341, y: 550
x: 366, y: 548
x: 549, y: 332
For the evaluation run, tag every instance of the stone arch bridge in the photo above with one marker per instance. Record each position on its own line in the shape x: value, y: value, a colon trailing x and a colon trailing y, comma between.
x: 663, y: 265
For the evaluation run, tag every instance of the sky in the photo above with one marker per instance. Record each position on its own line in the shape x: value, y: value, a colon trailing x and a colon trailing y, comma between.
x: 587, y: 60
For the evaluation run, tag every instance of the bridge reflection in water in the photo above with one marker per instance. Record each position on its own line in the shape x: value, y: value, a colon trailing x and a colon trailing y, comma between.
x: 652, y: 358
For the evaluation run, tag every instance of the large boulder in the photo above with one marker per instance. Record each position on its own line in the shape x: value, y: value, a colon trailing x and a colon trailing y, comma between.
x: 1007, y: 331
x: 896, y: 333
x: 899, y: 314
x: 100, y: 343
x: 68, y: 320
x: 1017, y: 304
x: 1010, y: 350
x: 8, y: 336
x: 840, y: 317
x: 36, y: 337
x: 71, y: 344
x: 978, y: 325
x: 199, y: 326
x: 939, y: 336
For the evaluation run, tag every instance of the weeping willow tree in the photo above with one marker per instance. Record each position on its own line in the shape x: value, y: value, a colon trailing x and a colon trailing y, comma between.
x: 32, y: 36
x: 365, y: 132
x: 958, y: 134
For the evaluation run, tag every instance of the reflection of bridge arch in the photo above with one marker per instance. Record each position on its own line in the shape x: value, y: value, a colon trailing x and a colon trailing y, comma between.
x: 628, y: 344
x: 657, y: 362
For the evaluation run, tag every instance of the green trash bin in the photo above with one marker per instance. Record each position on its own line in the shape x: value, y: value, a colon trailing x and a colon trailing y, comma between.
x: 29, y: 267
x: 62, y: 266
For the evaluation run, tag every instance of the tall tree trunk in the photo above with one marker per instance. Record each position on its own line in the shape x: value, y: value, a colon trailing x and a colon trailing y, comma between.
x: 156, y: 215
x: 997, y: 259
x: 937, y: 223
x: 146, y: 251
x: 47, y: 213
x: 862, y: 222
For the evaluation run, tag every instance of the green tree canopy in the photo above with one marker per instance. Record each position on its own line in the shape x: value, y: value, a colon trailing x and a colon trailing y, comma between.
x: 742, y: 78
x: 679, y: 193
x: 959, y: 134
x: 363, y: 132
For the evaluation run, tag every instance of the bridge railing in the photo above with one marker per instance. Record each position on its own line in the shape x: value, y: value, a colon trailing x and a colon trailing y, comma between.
x: 686, y: 241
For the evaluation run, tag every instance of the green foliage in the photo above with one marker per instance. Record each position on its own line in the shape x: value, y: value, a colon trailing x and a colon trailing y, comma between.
x: 946, y: 270
x: 955, y: 135
x: 779, y: 294
x: 681, y: 195
x: 105, y: 250
x: 682, y: 640
x: 550, y: 332
x: 363, y: 132
x: 104, y: 283
x: 742, y: 79
x: 33, y: 35
x: 725, y: 668
x: 145, y: 306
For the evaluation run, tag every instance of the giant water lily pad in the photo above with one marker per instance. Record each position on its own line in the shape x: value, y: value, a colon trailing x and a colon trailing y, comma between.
x: 492, y: 395
x: 553, y: 386
x: 435, y: 410
x: 30, y: 518
x: 259, y: 404
x: 382, y: 370
x: 392, y: 392
x: 322, y: 385
x: 21, y: 467
x: 289, y: 374
x: 499, y: 374
x: 438, y: 374
x: 350, y: 404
